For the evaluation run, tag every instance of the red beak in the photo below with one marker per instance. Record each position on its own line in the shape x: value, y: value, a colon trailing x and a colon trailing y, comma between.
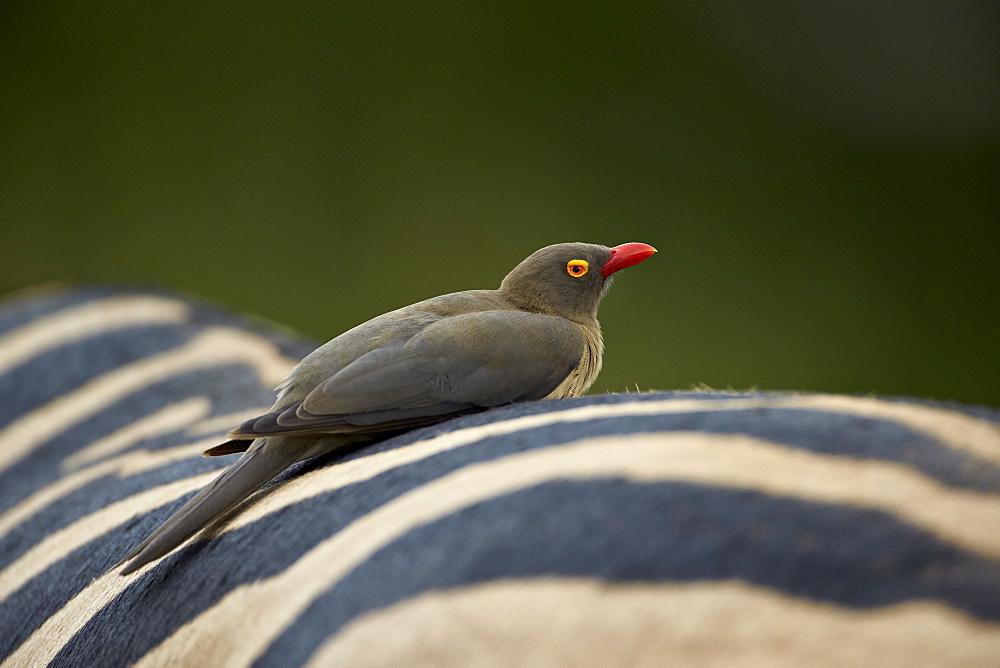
x: 625, y: 256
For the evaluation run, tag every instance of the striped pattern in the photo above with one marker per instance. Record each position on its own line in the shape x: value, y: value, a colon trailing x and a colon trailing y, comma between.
x: 689, y: 528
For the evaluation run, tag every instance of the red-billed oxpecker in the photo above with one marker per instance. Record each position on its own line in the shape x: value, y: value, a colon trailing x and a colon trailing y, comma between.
x: 537, y: 337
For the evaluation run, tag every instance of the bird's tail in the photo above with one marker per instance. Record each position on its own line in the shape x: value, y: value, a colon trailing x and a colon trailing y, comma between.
x: 236, y: 483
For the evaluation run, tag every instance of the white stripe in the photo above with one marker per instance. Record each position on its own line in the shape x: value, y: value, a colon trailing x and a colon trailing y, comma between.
x: 19, y: 345
x: 60, y: 543
x: 954, y: 429
x: 122, y: 466
x: 579, y: 622
x: 213, y: 348
x: 172, y: 417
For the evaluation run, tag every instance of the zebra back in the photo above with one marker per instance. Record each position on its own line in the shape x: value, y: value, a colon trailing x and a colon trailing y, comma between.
x: 681, y: 527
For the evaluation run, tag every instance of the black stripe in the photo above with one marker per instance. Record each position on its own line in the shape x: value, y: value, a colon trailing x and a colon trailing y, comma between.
x: 623, y: 532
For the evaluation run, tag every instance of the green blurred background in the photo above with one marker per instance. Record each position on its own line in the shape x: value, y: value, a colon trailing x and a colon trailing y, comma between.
x: 821, y: 178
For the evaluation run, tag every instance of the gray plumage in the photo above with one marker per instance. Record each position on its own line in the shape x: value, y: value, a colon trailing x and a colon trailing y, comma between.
x: 536, y: 337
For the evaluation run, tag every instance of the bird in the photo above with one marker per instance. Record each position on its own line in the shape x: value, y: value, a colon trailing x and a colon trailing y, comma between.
x: 536, y: 337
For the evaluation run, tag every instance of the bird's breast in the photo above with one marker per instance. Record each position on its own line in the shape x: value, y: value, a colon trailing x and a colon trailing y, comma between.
x: 583, y: 376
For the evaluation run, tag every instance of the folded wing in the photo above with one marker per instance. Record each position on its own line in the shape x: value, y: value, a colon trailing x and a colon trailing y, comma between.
x: 457, y: 365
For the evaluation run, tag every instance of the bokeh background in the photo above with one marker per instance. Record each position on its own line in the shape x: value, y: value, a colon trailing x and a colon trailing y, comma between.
x: 822, y: 179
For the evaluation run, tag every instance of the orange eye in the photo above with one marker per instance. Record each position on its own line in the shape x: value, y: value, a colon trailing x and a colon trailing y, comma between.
x: 577, y: 268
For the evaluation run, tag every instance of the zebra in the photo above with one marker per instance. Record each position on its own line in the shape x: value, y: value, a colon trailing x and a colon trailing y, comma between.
x: 684, y: 527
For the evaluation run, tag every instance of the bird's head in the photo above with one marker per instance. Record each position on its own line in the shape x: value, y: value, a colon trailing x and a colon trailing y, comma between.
x: 569, y: 279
